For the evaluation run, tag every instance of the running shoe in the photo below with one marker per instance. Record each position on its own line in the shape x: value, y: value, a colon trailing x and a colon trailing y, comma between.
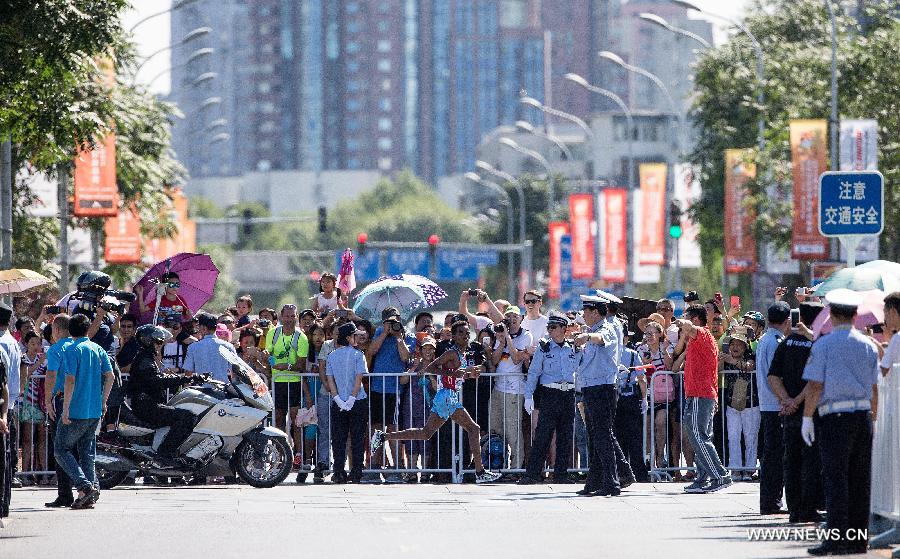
x: 377, y: 440
x: 487, y: 477
x: 718, y: 484
x: 699, y: 486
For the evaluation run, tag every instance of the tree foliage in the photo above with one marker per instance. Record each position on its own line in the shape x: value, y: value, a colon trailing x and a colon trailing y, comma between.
x: 795, y: 38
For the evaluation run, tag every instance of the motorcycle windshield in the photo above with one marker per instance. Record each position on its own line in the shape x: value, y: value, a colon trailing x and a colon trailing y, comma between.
x: 242, y: 372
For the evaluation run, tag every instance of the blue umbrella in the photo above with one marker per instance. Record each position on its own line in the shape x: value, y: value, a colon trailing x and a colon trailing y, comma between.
x: 405, y: 296
x: 433, y: 292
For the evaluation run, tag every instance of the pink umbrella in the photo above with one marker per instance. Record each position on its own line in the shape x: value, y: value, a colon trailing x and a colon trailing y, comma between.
x: 198, y: 276
x: 346, y: 278
x: 869, y: 313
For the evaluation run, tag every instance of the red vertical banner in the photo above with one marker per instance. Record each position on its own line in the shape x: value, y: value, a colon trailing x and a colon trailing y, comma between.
x: 809, y: 155
x: 615, y: 259
x: 555, y: 231
x: 123, y: 238
x: 740, y: 245
x: 581, y: 217
x: 96, y: 192
x: 652, y: 244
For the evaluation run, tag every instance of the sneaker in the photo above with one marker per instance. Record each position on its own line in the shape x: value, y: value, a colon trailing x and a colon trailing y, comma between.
x: 377, y: 440
x: 718, y: 484
x: 84, y: 500
x: 94, y: 495
x: 698, y: 486
x: 59, y: 503
x: 486, y: 477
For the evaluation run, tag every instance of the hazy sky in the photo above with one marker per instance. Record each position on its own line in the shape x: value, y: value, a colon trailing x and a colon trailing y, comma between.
x: 154, y: 33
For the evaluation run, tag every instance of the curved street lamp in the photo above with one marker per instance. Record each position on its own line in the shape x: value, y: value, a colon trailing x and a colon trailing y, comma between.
x: 176, y: 6
x: 199, y: 53
x: 659, y: 21
x: 488, y: 168
x: 507, y: 201
x: 190, y: 36
x: 551, y: 191
x: 205, y: 77
x: 529, y: 128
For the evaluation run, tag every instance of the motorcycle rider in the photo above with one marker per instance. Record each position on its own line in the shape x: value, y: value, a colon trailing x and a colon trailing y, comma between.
x: 147, y: 389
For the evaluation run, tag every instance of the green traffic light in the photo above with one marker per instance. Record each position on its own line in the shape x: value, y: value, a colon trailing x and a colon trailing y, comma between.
x: 675, y: 231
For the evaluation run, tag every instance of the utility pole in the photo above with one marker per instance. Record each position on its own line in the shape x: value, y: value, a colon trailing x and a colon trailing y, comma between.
x: 63, y: 200
x: 6, y: 202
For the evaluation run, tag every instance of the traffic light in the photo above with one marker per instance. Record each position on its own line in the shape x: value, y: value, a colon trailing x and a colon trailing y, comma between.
x: 675, y: 220
x: 433, y: 242
x: 361, y: 241
x: 247, y: 214
x: 323, y: 220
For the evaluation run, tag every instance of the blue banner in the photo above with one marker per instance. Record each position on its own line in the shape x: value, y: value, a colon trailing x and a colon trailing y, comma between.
x: 408, y: 262
x: 462, y: 265
x: 851, y: 203
x: 569, y: 288
x: 365, y: 266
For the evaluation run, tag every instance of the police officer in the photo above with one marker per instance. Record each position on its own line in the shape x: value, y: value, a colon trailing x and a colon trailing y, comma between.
x: 552, y: 375
x: 596, y: 378
x: 147, y: 389
x: 842, y: 376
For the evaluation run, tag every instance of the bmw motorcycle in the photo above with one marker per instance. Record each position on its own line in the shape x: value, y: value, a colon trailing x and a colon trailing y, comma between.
x: 230, y: 435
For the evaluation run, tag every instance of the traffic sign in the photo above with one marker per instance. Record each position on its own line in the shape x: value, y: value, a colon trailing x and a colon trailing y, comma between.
x: 462, y: 265
x: 365, y: 266
x: 851, y: 203
x: 569, y: 288
x: 408, y: 262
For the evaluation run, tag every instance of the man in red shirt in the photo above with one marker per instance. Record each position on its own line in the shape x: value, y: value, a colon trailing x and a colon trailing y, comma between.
x: 701, y: 392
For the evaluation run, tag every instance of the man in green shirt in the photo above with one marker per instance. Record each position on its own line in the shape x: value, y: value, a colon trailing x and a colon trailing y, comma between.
x: 287, y: 349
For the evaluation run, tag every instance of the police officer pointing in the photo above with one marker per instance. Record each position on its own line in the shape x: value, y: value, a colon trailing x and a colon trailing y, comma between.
x: 596, y: 378
x: 842, y: 373
x: 551, y: 376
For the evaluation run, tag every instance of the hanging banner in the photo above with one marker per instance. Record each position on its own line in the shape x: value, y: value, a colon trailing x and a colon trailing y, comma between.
x: 123, y: 238
x: 652, y: 241
x: 859, y: 152
x: 96, y: 192
x: 615, y: 259
x: 581, y: 218
x: 642, y: 273
x: 740, y: 246
x: 809, y: 154
x: 555, y: 232
x: 687, y: 193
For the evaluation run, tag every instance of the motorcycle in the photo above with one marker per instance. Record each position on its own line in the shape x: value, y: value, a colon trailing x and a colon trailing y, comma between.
x: 230, y: 435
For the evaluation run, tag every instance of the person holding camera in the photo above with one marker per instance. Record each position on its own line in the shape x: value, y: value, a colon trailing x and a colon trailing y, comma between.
x: 389, y: 352
x: 512, y: 349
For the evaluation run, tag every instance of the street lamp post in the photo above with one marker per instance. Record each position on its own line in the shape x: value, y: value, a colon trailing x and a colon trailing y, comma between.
x: 629, y: 230
x: 176, y: 6
x: 507, y: 201
x: 199, y: 53
x: 529, y: 128
x: 589, y: 134
x: 551, y: 180
x: 190, y: 36
x: 657, y: 20
x: 835, y: 156
x: 520, y: 193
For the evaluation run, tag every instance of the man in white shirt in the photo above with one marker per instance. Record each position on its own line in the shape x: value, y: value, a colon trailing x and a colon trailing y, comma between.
x: 513, y: 347
x: 891, y: 324
x: 534, y: 321
x: 12, y: 358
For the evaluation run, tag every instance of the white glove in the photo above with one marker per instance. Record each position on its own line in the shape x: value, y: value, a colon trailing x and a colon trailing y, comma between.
x: 529, y: 405
x: 349, y: 403
x: 644, y: 406
x: 808, y: 431
x: 340, y: 403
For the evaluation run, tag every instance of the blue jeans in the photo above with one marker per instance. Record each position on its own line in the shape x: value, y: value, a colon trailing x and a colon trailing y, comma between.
x: 698, y: 418
x: 78, y: 436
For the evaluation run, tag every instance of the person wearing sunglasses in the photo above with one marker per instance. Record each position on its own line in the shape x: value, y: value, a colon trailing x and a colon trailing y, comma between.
x: 534, y: 321
x: 171, y: 304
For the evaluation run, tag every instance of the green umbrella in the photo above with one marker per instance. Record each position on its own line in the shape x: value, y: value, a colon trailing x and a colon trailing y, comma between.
x: 859, y: 279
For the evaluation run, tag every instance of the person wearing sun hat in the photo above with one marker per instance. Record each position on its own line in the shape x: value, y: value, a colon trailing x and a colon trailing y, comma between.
x: 842, y: 376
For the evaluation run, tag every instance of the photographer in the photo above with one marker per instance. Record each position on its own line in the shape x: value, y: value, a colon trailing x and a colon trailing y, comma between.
x: 94, y: 299
x: 512, y: 348
x: 477, y: 321
x: 389, y: 351
x: 170, y: 304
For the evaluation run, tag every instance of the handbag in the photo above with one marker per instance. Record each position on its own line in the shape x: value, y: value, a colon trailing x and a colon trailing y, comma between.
x: 739, y: 393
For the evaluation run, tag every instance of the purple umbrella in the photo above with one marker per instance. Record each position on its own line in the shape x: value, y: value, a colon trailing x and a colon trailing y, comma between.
x: 198, y: 277
x: 433, y: 292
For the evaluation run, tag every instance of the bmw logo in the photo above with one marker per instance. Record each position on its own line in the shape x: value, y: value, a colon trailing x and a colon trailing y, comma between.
x: 222, y: 413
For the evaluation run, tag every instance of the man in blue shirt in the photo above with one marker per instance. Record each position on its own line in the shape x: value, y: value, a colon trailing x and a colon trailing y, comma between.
x: 389, y: 352
x: 88, y: 380
x: 203, y: 356
x: 53, y: 401
x: 842, y: 383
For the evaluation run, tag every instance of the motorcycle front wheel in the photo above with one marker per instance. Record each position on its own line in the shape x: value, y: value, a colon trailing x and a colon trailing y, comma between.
x: 267, y: 467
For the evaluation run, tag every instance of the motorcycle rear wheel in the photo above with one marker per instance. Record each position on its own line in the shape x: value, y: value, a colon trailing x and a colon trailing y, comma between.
x: 267, y: 468
x: 107, y: 479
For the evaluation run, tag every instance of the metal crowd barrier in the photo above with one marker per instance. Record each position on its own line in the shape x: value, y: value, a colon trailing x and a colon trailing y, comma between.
x: 886, y: 459
x: 735, y: 433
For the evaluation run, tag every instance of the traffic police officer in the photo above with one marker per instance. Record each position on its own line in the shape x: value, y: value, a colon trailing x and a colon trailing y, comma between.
x: 596, y: 379
x: 842, y: 372
x: 552, y: 375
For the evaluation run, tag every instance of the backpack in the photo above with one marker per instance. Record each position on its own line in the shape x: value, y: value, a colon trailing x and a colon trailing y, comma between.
x: 493, y: 451
x: 663, y: 388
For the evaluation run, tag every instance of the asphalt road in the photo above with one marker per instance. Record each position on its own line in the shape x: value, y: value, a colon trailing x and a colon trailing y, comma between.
x: 422, y: 521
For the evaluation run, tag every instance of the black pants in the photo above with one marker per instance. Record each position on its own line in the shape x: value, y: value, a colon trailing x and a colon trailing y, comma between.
x: 771, y: 470
x: 6, y: 472
x: 802, y: 471
x: 845, y: 441
x: 476, y: 398
x: 630, y: 435
x: 350, y: 424
x: 180, y: 423
x: 557, y: 413
x: 63, y: 482
x: 606, y: 456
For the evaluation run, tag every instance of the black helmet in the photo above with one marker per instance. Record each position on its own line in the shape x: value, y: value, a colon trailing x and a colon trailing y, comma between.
x: 93, y: 280
x: 148, y: 335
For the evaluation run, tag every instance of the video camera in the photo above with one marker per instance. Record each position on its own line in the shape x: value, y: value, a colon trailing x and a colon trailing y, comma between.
x: 93, y: 290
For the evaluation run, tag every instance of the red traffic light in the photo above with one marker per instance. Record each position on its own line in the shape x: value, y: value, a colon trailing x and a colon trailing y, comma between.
x: 362, y: 238
x: 433, y: 240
